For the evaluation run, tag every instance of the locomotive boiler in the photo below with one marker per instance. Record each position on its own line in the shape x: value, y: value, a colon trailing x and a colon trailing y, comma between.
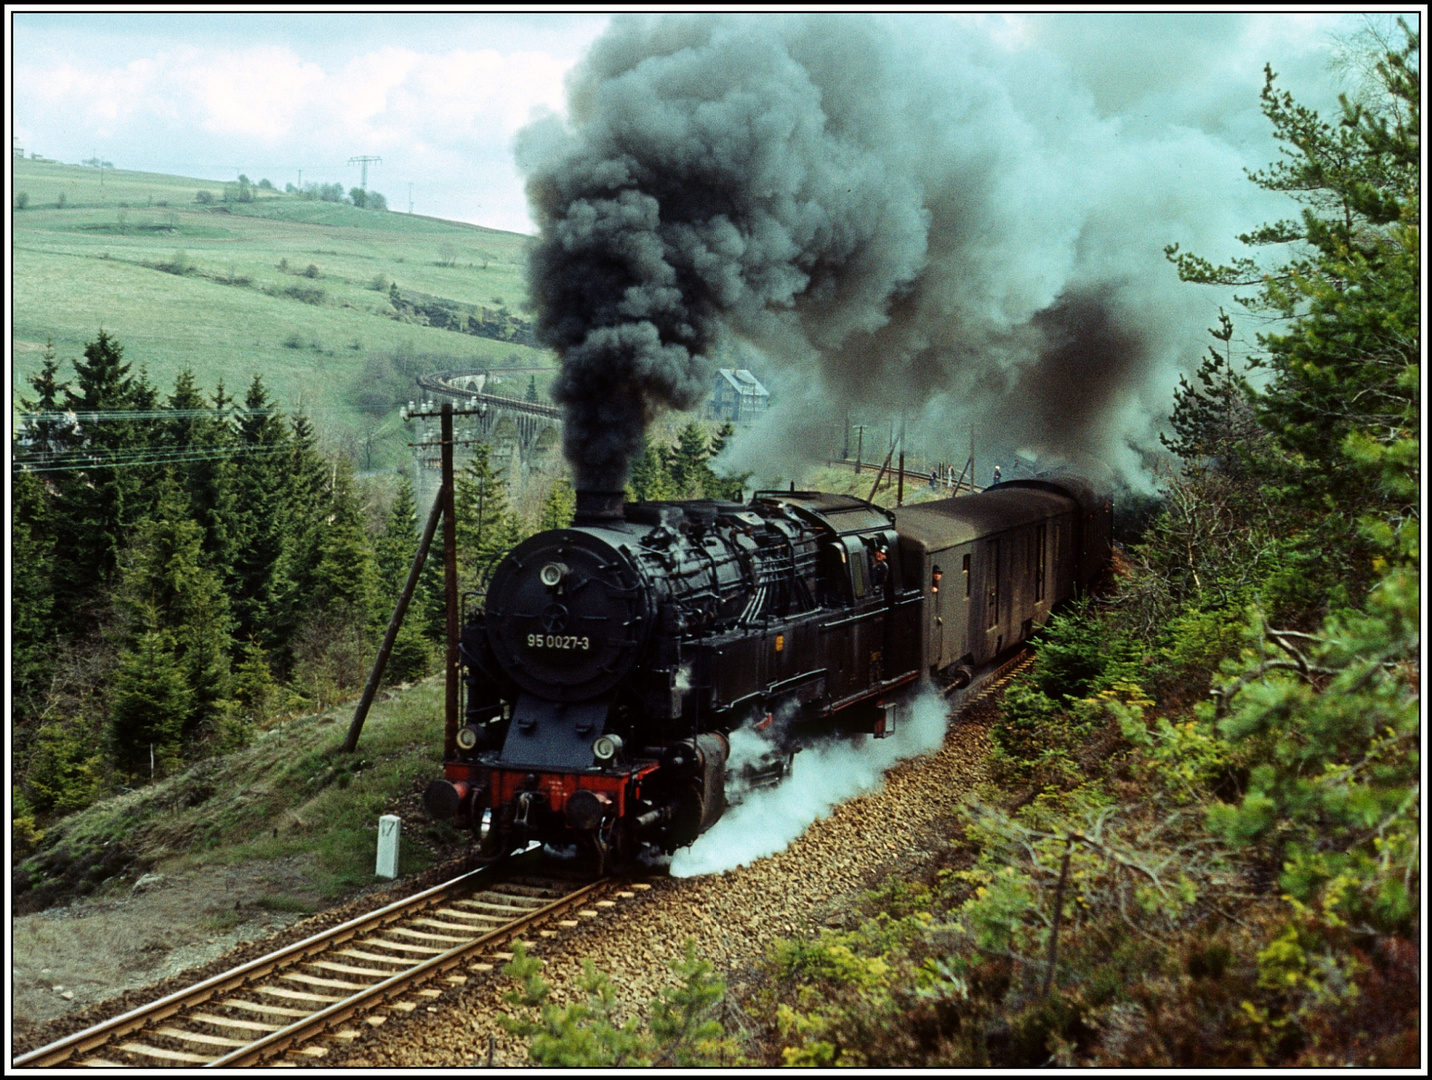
x: 611, y: 661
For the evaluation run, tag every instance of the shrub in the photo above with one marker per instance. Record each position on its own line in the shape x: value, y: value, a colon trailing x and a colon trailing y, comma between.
x: 60, y: 200
x: 682, y: 1030
x: 204, y: 197
x: 22, y: 200
x: 64, y: 772
x: 178, y: 263
x: 309, y: 294
x: 311, y: 271
x: 24, y: 834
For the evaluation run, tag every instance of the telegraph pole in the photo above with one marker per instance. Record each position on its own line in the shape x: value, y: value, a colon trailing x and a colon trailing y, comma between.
x: 363, y: 160
x: 410, y: 197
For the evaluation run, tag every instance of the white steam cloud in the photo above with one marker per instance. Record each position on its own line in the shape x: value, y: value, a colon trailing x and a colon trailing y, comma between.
x: 897, y: 212
x: 822, y: 778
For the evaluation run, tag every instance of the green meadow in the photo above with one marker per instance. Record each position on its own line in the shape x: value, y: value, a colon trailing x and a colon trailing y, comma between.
x: 293, y: 289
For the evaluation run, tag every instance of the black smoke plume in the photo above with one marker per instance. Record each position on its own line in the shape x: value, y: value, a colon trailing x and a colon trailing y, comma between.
x: 877, y: 205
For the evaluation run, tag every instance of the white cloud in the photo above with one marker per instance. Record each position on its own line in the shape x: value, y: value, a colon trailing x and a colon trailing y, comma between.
x: 438, y: 99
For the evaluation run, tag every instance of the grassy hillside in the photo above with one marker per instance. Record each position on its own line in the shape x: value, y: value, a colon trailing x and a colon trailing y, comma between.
x: 292, y: 792
x: 296, y: 290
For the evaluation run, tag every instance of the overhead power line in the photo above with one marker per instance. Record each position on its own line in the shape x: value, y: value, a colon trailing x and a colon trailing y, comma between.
x: 233, y: 412
x: 85, y: 460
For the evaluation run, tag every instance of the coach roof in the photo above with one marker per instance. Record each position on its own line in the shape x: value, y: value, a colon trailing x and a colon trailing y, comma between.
x: 946, y: 522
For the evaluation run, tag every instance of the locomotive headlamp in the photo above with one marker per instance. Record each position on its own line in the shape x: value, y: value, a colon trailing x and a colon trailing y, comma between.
x: 606, y: 747
x: 552, y: 574
x: 467, y: 737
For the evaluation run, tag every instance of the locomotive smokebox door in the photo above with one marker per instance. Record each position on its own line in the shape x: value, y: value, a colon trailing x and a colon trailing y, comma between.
x: 553, y: 735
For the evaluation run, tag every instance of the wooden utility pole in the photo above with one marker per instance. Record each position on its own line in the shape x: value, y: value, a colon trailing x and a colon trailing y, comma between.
x: 450, y: 584
x: 444, y: 507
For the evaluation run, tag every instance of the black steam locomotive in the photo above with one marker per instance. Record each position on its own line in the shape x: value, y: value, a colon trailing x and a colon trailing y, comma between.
x: 613, y: 659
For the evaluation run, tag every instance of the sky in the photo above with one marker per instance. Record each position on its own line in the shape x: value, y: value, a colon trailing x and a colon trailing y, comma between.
x: 439, y: 97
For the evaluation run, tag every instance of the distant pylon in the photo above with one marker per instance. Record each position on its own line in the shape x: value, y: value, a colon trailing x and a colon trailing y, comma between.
x: 363, y: 160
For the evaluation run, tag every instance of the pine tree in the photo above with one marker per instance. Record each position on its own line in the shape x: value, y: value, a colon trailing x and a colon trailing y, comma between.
x: 1343, y: 399
x: 531, y: 394
x: 65, y: 769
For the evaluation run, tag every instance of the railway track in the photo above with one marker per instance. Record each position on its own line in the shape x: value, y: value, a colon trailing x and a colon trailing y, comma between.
x: 338, y: 982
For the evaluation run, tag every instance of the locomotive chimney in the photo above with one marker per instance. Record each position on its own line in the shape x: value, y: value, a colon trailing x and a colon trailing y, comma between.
x: 599, y: 507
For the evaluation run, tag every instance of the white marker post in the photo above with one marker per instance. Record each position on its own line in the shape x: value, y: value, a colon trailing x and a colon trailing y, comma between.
x: 390, y: 827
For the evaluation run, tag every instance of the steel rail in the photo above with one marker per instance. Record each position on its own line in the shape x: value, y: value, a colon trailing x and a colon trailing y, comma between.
x: 301, y: 1030
x: 82, y: 1041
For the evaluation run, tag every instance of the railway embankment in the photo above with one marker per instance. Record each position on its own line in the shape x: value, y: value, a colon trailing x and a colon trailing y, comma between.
x: 150, y: 882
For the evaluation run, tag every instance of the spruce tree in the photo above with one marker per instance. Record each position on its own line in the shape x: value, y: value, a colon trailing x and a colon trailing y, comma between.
x: 101, y: 497
x: 560, y: 505
x: 398, y: 542
x: 32, y: 598
x: 725, y: 487
x: 412, y: 653
x: 306, y: 499
x: 151, y: 703
x: 346, y: 574
x: 261, y: 520
x: 42, y: 438
x: 169, y: 586
x: 650, y: 475
x: 336, y: 637
x: 486, y: 526
x: 690, y: 475
x: 201, y: 443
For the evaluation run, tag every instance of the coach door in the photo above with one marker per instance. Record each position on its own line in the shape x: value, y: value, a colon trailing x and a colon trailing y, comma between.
x: 994, y: 576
